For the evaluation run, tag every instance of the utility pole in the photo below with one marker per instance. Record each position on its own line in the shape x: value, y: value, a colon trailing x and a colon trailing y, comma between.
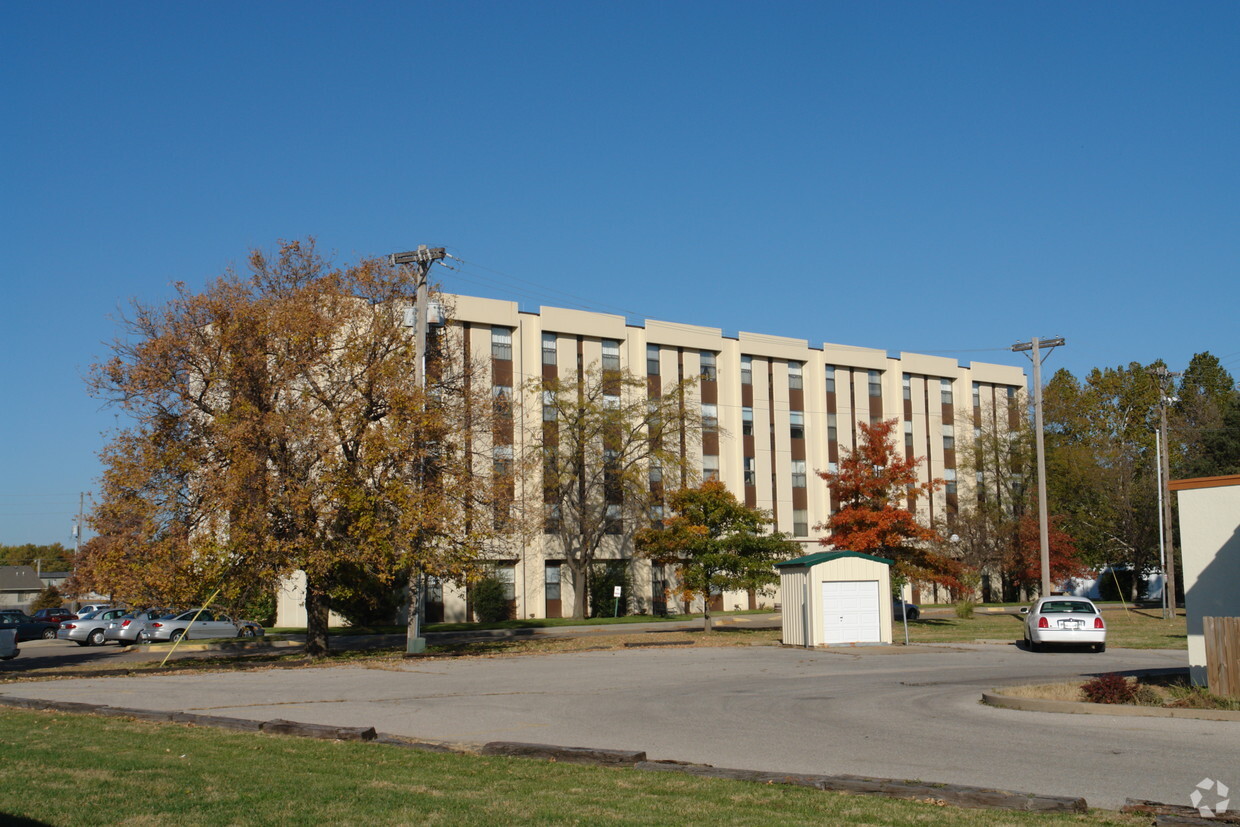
x: 419, y: 261
x: 1036, y: 346
x: 77, y: 527
x: 1164, y: 485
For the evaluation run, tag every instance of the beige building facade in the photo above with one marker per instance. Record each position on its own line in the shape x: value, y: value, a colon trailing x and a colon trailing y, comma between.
x: 785, y: 410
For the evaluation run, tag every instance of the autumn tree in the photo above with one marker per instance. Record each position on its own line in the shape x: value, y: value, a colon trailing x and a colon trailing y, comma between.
x: 603, y: 448
x: 716, y: 543
x: 277, y: 427
x: 1023, y: 562
x: 876, y: 489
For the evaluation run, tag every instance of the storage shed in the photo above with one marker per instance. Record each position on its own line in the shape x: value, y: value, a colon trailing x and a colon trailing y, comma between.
x: 836, y: 598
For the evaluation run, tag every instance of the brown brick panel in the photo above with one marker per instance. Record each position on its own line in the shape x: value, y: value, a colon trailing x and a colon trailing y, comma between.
x: 710, y: 443
x: 501, y: 372
x: 796, y: 399
x: 710, y: 392
x: 800, y: 498
x: 798, y: 449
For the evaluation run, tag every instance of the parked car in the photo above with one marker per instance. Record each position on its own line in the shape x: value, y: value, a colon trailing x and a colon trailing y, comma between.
x: 1062, y: 620
x: 901, y: 609
x: 194, y: 624
x: 92, y: 607
x: 90, y: 630
x: 126, y: 628
x: 27, y: 627
x: 54, y: 615
x: 8, y: 644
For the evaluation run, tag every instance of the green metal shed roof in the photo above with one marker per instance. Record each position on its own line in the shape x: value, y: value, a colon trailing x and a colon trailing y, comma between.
x: 827, y: 556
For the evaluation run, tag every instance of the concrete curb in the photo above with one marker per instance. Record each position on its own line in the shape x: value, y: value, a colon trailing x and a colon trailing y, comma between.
x: 956, y: 794
x: 1120, y: 710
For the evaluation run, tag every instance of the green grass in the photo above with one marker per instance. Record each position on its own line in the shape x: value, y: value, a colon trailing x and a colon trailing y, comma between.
x: 1132, y: 629
x: 76, y: 768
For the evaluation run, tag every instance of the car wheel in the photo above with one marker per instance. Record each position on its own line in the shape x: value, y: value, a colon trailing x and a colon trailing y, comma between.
x: 177, y: 635
x: 913, y: 614
x: 96, y: 637
x: 246, y: 631
x: 82, y: 642
x: 1034, y: 646
x: 49, y: 634
x: 1100, y: 647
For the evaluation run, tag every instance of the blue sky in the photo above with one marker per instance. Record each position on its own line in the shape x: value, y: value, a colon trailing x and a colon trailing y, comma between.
x: 933, y: 177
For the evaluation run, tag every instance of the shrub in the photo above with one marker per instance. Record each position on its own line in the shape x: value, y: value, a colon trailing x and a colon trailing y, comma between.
x: 49, y: 598
x: 1109, y: 589
x: 603, y: 581
x: 964, y: 608
x: 1145, y: 695
x: 1109, y: 689
x: 488, y: 601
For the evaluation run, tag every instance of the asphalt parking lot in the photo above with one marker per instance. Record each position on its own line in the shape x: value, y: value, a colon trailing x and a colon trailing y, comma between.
x: 895, y: 712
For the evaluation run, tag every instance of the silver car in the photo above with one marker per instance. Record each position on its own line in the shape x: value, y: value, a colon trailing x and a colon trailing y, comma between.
x: 1064, y: 620
x: 198, y: 625
x: 126, y: 628
x: 90, y: 629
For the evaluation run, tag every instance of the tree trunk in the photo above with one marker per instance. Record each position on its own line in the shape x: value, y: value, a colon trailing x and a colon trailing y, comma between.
x: 706, y: 615
x: 581, y: 588
x: 414, y: 642
x: 316, y: 620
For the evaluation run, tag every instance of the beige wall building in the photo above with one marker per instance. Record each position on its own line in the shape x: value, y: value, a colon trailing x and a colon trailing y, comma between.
x: 785, y: 410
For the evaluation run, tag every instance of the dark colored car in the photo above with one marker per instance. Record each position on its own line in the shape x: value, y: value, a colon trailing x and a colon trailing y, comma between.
x: 55, y: 615
x: 27, y: 627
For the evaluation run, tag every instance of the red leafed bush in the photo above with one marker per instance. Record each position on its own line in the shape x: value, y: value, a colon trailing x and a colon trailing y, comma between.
x: 1109, y: 689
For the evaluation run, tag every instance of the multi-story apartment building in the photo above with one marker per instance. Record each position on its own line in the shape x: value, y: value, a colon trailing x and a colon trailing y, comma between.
x: 775, y: 411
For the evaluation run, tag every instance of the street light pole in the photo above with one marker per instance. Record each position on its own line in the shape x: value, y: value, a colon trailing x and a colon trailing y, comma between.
x: 1036, y: 345
x: 420, y: 261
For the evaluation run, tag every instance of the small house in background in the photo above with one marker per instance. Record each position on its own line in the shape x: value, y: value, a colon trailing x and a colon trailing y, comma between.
x: 19, y: 586
x: 1210, y: 548
x: 835, y: 598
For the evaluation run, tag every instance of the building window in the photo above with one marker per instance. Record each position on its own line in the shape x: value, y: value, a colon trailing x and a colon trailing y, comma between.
x: 550, y: 412
x: 551, y: 580
x: 551, y: 518
x: 501, y: 456
x: 501, y: 343
x: 501, y: 398
x: 506, y: 573
x: 949, y: 437
x: 800, y: 522
x: 908, y: 435
x: 652, y: 360
x: 830, y: 378
x: 746, y: 370
x: 751, y: 472
x: 611, y: 401
x: 710, y: 417
x: 746, y: 421
x: 876, y: 383
x: 614, y: 523
x: 611, y: 354
x: 907, y: 382
x: 796, y: 422
x: 945, y: 386
x: 949, y: 475
x: 832, y: 429
x: 656, y: 516
x: 656, y: 473
x: 548, y: 348
x: 710, y: 467
x: 977, y: 395
x: 710, y: 371
x: 794, y: 376
x: 833, y: 468
x: 798, y: 473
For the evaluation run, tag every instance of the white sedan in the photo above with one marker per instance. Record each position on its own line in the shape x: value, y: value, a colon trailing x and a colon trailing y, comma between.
x: 1064, y: 620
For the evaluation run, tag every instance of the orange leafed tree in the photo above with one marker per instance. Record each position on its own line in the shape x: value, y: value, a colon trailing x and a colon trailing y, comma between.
x: 876, y: 489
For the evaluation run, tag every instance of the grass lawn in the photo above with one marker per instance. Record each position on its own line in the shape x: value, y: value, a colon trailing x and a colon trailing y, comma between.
x: 65, y: 769
x: 1133, y: 629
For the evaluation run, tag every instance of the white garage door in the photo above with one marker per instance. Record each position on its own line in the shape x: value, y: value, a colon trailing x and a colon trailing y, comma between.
x: 851, y: 612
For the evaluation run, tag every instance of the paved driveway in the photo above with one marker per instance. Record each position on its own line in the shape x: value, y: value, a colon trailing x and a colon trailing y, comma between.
x: 887, y: 711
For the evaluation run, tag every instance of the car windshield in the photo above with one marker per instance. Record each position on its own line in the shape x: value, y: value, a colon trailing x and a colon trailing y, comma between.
x: 1067, y: 607
x: 87, y: 616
